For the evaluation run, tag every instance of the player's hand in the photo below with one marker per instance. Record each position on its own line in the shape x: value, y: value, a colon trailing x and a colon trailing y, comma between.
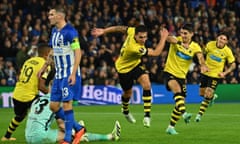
x: 221, y: 75
x: 97, y: 32
x: 72, y: 80
x: 204, y: 68
x: 164, y: 33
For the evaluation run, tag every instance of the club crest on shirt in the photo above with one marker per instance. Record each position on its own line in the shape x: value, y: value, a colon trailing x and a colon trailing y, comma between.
x: 60, y: 40
x: 143, y: 50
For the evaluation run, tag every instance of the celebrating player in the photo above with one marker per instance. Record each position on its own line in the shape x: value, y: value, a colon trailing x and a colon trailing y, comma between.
x: 130, y: 68
x: 217, y: 54
x: 181, y: 53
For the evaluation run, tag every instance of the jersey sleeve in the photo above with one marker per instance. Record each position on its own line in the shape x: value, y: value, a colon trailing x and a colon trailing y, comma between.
x: 74, y: 39
x: 230, y: 57
x: 131, y: 30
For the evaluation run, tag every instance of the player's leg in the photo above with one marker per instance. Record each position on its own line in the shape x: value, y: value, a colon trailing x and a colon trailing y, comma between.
x: 20, y: 111
x: 178, y: 87
x: 126, y: 82
x: 66, y: 113
x: 41, y: 136
x: 175, y: 116
x: 207, y: 88
x: 53, y: 136
x: 147, y: 98
x: 38, y: 137
x: 74, y: 93
x: 55, y: 105
x: 115, y: 135
x: 68, y: 120
x: 208, y: 96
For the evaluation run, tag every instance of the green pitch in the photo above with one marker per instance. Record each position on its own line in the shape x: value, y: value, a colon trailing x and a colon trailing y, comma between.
x: 220, y: 124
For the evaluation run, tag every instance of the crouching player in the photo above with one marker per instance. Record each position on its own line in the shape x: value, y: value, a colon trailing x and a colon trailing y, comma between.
x: 38, y: 128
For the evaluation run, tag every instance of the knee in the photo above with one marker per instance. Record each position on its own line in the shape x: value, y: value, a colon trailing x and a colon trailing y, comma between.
x: 146, y: 85
x: 127, y: 93
x: 209, y: 93
x: 53, y: 107
x: 180, y: 95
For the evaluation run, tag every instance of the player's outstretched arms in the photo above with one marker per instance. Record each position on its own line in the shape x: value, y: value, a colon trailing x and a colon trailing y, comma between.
x: 96, y: 32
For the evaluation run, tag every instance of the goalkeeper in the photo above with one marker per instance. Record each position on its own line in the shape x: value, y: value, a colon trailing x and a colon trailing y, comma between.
x: 38, y: 128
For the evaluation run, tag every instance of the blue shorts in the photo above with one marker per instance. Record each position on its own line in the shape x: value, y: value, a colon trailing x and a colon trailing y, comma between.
x: 42, y: 137
x: 62, y: 91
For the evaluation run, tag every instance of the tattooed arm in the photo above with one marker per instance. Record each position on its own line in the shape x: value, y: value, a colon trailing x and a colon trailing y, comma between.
x: 100, y: 31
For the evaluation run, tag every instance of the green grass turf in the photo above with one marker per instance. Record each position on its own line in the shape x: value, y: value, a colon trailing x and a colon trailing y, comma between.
x: 220, y: 124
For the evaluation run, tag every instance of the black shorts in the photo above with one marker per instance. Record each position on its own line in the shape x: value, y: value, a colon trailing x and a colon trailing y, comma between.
x: 126, y: 80
x: 182, y: 82
x: 21, y: 108
x: 206, y: 81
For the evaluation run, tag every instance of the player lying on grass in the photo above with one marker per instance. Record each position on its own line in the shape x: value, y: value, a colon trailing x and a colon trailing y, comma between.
x: 38, y: 128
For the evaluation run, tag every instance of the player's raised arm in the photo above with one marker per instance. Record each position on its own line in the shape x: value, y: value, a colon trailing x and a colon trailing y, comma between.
x: 156, y: 52
x: 100, y: 31
x: 201, y: 61
x: 172, y: 39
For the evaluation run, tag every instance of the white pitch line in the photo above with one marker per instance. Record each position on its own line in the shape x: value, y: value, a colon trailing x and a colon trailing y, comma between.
x: 109, y: 113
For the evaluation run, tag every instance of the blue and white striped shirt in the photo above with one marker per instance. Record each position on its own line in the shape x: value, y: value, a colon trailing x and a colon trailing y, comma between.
x: 61, y: 41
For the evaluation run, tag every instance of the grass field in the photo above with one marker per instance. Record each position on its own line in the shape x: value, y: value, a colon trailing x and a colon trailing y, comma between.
x: 220, y: 124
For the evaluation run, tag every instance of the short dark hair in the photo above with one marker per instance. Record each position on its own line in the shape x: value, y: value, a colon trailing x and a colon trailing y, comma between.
x: 188, y: 27
x: 43, y: 48
x: 141, y: 28
x: 225, y: 34
x: 60, y: 8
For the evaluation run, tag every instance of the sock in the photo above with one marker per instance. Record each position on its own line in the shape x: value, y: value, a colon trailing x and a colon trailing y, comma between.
x: 69, y: 120
x: 147, y: 100
x: 203, y: 107
x: 125, y: 104
x: 180, y: 102
x: 13, y: 126
x: 60, y: 114
x: 175, y: 116
x: 99, y: 137
x: 77, y: 127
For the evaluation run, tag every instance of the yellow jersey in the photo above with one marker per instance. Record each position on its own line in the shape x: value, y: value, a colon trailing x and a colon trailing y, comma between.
x: 180, y: 58
x: 130, y: 54
x: 216, y: 58
x: 27, y: 86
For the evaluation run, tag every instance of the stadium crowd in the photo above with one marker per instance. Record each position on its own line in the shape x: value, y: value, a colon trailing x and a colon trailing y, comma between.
x: 24, y: 24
